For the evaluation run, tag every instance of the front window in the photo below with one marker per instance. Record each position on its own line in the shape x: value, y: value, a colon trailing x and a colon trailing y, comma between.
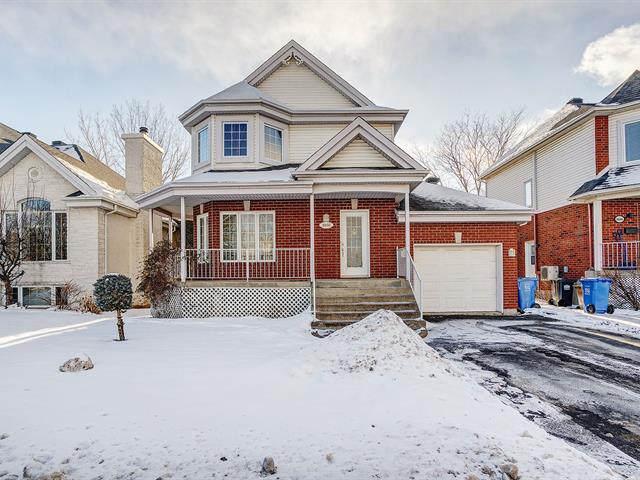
x: 272, y: 143
x: 235, y: 139
x: 203, y: 145
x: 528, y: 194
x: 632, y: 141
x: 36, y: 296
x: 248, y: 236
x: 202, y: 237
x: 41, y: 233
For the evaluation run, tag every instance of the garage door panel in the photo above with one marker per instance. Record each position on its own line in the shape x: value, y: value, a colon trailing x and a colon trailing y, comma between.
x: 458, y: 278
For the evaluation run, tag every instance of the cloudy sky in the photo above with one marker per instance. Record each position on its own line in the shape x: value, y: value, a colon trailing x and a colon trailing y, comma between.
x: 439, y: 59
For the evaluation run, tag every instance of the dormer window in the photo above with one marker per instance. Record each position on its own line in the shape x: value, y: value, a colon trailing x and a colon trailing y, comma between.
x: 235, y: 139
x: 272, y: 143
x: 203, y: 145
x: 632, y: 141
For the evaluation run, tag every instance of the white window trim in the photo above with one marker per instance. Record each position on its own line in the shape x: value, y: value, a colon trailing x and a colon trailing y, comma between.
x: 198, y: 132
x: 264, y: 122
x: 199, y: 240
x: 257, y: 237
x: 264, y: 140
x: 524, y: 187
x: 53, y: 236
x: 623, y: 142
x: 232, y: 158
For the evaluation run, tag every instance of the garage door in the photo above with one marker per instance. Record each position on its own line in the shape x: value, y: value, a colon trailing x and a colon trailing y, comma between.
x: 458, y: 278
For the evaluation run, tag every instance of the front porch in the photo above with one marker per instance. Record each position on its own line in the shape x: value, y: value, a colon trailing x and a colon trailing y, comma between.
x: 621, y: 255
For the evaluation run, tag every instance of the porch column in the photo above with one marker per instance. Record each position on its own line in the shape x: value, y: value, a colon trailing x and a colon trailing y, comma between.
x: 183, y: 241
x: 312, y: 251
x: 597, y: 235
x: 407, y: 232
x: 150, y: 229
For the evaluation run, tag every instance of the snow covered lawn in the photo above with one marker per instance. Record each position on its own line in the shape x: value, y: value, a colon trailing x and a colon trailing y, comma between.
x: 204, y: 398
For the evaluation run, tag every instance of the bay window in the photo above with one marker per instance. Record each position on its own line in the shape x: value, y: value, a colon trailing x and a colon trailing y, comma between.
x: 272, y: 143
x: 203, y: 145
x: 235, y: 139
x: 247, y: 236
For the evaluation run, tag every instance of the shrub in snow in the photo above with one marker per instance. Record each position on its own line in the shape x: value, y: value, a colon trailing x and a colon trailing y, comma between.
x: 88, y: 305
x: 157, y: 276
x: 76, y: 364
x: 113, y: 292
x: 268, y: 467
x: 625, y: 288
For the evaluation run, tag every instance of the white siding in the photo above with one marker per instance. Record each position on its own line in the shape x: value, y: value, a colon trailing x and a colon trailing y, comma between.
x: 304, y: 140
x: 616, y: 147
x: 508, y: 184
x: 564, y: 165
x: 358, y: 154
x: 298, y: 87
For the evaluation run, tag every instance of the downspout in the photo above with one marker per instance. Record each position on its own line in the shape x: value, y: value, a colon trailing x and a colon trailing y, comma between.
x: 591, y: 252
x: 535, y: 205
x: 106, y: 237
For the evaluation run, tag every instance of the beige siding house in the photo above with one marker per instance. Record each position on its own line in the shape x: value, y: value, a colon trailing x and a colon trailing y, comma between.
x: 92, y: 224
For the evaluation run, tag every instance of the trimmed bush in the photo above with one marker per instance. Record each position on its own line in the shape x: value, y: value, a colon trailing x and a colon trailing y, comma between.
x: 113, y: 293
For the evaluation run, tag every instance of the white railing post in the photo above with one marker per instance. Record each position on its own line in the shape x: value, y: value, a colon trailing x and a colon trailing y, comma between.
x: 312, y: 252
x: 183, y: 241
x: 407, y: 230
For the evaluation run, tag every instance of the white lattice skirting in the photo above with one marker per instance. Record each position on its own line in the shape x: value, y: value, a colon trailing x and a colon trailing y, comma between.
x: 199, y: 302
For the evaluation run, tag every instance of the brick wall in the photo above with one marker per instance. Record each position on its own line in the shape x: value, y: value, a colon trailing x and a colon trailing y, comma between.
x: 602, y: 143
x: 612, y: 208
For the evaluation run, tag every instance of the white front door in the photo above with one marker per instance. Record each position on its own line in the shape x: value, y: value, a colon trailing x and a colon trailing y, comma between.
x: 530, y: 259
x: 354, y: 243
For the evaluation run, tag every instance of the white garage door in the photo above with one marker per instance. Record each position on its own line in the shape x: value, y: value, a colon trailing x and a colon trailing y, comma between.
x: 458, y: 278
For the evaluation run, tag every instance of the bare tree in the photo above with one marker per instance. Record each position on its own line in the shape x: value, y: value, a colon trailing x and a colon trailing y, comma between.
x: 25, y: 234
x: 101, y: 135
x: 468, y: 146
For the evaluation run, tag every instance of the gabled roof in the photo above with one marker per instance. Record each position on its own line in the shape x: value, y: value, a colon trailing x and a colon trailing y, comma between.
x: 360, y: 129
x: 628, y: 91
x: 616, y: 178
x: 293, y: 51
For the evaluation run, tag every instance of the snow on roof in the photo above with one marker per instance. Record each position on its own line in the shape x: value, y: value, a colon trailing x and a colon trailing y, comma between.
x: 626, y: 176
x: 432, y: 197
x: 242, y: 91
x: 102, y: 188
x: 69, y: 149
x: 244, y: 176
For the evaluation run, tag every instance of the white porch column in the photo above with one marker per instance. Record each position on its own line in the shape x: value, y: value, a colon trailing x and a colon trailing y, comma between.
x: 183, y: 241
x: 597, y: 235
x: 312, y: 251
x: 407, y: 232
x: 150, y: 229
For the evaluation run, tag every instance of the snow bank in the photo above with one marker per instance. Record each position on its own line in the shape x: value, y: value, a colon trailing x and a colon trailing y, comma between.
x: 379, y: 343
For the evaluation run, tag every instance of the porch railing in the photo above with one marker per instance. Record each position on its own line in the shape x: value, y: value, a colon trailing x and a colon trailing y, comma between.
x: 412, y: 276
x: 621, y: 255
x: 222, y: 264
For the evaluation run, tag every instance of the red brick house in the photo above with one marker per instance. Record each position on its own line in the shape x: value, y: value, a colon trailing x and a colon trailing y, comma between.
x: 300, y: 197
x: 580, y: 172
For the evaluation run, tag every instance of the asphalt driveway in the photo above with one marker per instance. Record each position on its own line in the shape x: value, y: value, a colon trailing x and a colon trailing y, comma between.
x: 580, y: 383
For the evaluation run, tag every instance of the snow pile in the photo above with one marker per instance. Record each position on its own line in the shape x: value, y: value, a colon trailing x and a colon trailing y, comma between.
x: 380, y: 342
x: 442, y: 194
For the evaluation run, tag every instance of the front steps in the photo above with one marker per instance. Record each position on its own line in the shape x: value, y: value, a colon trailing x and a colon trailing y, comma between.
x: 345, y: 301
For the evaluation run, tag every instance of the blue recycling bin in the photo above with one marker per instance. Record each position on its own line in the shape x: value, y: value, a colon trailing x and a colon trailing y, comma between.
x: 527, y: 287
x: 596, y: 294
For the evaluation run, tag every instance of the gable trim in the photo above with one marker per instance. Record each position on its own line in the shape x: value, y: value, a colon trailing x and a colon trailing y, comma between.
x: 359, y: 128
x: 26, y: 142
x: 294, y: 52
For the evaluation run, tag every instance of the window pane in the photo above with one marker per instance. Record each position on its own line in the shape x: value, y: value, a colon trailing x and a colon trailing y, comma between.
x: 61, y: 236
x: 203, y: 145
x: 528, y: 194
x: 273, y: 143
x: 37, y: 232
x: 230, y: 237
x: 11, y: 229
x: 36, y: 296
x: 248, y: 236
x: 632, y: 141
x: 235, y: 140
x: 266, y: 243
x: 36, y: 204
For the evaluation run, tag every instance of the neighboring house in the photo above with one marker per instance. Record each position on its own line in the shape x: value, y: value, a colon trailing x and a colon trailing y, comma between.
x: 580, y: 172
x: 91, y: 222
x: 299, y: 196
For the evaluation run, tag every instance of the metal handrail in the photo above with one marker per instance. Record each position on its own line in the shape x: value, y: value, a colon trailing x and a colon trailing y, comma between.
x: 413, y: 277
x: 247, y: 264
x: 621, y: 255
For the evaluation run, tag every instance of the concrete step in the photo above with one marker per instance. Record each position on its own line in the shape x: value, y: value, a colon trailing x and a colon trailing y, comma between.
x: 357, y: 292
x: 355, y: 315
x: 365, y: 298
x: 359, y: 306
x: 362, y: 282
x: 413, y: 323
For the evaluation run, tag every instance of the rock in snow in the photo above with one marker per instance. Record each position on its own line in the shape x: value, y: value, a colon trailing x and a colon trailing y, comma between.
x: 268, y: 466
x: 76, y: 364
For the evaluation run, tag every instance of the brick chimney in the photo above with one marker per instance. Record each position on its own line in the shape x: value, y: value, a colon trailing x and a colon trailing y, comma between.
x: 143, y: 162
x: 602, y: 142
